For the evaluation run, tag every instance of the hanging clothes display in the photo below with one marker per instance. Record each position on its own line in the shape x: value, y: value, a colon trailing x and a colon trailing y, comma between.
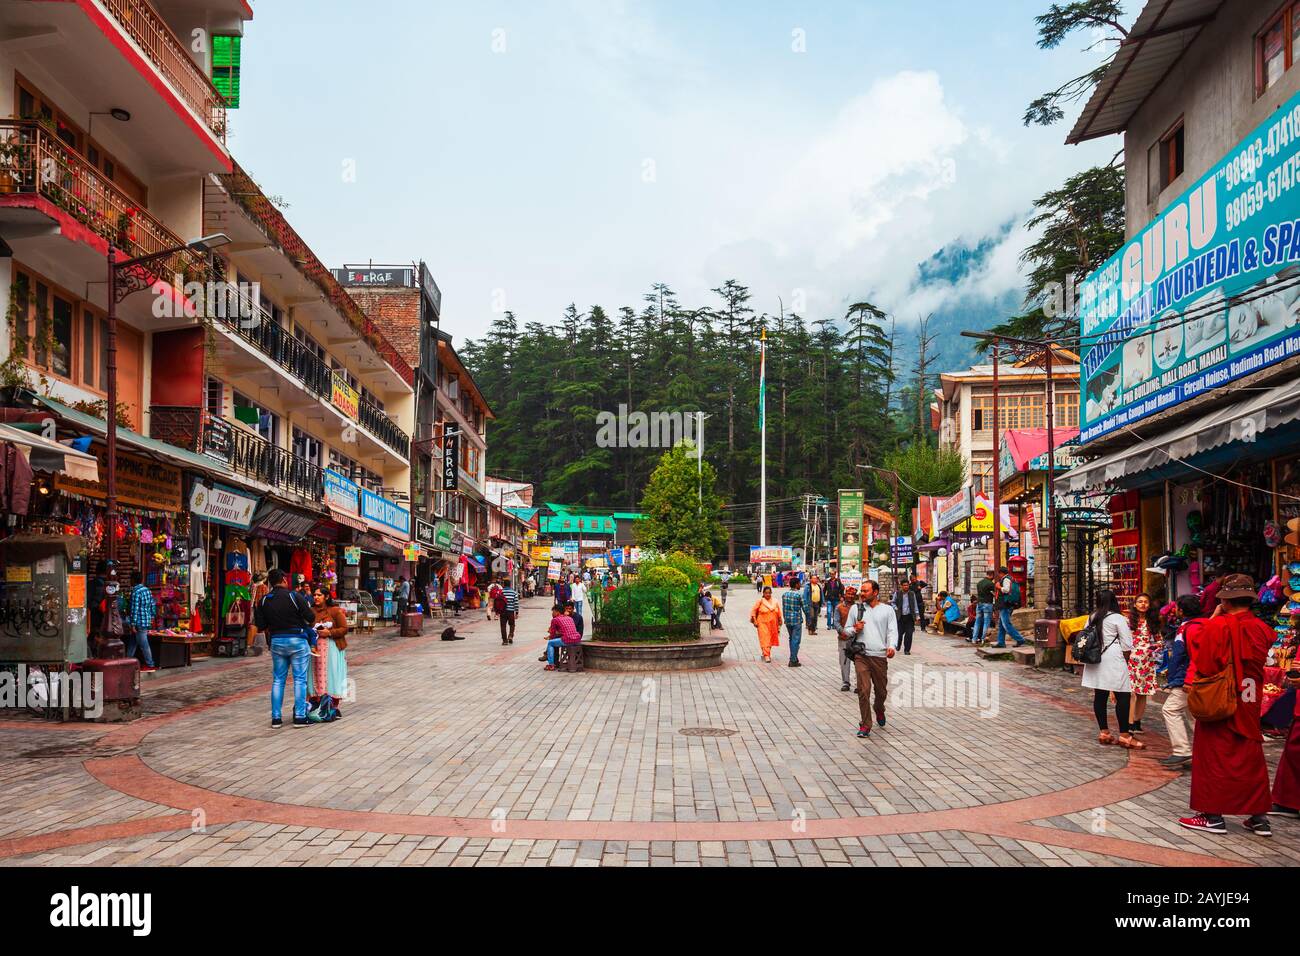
x: 237, y: 602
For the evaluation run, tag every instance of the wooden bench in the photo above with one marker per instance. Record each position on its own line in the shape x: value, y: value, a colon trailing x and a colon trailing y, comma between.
x: 569, y: 658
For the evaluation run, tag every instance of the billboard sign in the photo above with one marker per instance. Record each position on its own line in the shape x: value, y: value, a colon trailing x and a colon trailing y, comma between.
x: 1207, y: 293
x: 851, y: 534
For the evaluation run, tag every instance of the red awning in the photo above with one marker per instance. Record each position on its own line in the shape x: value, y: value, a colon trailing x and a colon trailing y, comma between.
x: 1026, y: 444
x: 347, y: 520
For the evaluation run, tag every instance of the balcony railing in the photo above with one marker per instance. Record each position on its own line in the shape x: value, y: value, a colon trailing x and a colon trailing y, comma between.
x: 255, y: 326
x: 33, y: 160
x: 139, y: 19
x: 248, y: 455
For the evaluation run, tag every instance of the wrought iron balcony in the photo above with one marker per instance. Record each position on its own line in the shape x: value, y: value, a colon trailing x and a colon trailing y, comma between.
x: 255, y: 325
x: 139, y: 19
x: 34, y: 161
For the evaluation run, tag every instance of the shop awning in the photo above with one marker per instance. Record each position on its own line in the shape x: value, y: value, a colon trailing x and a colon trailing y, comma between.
x: 475, y: 563
x: 173, y: 454
x: 1245, y: 421
x: 51, y: 456
x: 347, y: 520
x: 278, y: 522
x: 1024, y: 445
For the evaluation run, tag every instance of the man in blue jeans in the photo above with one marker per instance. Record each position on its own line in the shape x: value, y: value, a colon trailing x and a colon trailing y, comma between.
x: 288, y: 619
x: 794, y: 609
x: 141, y: 608
x: 985, y: 596
x: 1008, y: 599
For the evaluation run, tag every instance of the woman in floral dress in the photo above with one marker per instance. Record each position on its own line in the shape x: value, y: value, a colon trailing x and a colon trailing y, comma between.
x: 1144, y: 622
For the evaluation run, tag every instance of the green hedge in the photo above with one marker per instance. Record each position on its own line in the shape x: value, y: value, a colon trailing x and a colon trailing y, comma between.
x: 644, y: 612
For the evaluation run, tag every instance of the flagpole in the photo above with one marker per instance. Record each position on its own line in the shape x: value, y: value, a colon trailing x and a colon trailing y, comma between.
x: 762, y: 425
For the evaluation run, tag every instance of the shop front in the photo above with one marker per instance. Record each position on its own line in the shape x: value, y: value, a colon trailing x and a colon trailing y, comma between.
x: 383, y: 549
x: 221, y: 563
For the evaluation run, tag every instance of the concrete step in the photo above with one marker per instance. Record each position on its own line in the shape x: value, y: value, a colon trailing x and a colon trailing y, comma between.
x: 1024, y: 655
x: 990, y: 652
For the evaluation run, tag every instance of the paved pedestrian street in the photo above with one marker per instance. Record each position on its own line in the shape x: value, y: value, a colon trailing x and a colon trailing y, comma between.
x: 470, y: 754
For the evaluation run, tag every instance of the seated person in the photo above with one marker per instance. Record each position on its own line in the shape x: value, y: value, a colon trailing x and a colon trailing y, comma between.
x: 952, y: 616
x: 710, y: 609
x: 571, y: 609
x: 563, y: 631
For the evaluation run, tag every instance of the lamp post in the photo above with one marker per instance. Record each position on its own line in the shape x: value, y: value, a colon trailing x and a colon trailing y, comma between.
x: 124, y: 278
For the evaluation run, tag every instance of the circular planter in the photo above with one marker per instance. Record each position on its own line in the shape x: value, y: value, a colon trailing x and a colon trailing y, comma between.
x: 643, y: 656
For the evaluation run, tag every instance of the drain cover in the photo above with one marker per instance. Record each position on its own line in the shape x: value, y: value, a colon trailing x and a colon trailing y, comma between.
x: 706, y: 732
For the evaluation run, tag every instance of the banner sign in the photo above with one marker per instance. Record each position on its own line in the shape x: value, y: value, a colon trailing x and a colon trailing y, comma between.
x: 553, y: 571
x: 411, y: 552
x: 380, y: 511
x: 217, y: 438
x: 352, y: 555
x: 1158, y: 314
x: 900, y: 549
x: 451, y: 460
x: 616, y: 557
x: 773, y: 554
x: 955, y: 509
x: 345, y: 398
x: 141, y: 483
x: 540, y: 553
x: 341, y: 493
x: 222, y: 505
x: 851, y: 503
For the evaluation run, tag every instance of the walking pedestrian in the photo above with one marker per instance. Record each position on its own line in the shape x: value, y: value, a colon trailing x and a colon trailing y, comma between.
x: 908, y: 607
x: 917, y: 587
x: 812, y: 599
x: 766, y: 618
x: 1008, y: 600
x: 985, y: 590
x: 141, y: 608
x: 834, y: 594
x: 1229, y: 774
x: 288, y: 620
x: 871, y: 635
x: 328, y: 675
x: 1144, y: 622
x: 507, y: 609
x: 578, y: 595
x: 794, y: 610
x: 1111, y: 674
x: 848, y: 597
x: 1178, y: 722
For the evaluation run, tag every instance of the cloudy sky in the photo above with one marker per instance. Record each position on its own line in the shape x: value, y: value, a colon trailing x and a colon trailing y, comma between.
x: 542, y: 152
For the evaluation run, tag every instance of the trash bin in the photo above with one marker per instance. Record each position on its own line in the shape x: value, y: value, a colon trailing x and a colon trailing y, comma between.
x: 412, y: 624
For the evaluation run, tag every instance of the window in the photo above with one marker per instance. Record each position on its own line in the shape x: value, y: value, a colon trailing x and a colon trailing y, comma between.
x: 58, y: 333
x: 1171, y: 156
x: 266, y: 423
x: 225, y: 67
x: 1275, y: 47
x: 304, y: 446
x: 214, y: 398
x: 1066, y: 413
x: 981, y: 473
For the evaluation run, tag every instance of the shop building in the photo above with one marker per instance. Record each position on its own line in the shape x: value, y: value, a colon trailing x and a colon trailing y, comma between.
x: 1190, y: 347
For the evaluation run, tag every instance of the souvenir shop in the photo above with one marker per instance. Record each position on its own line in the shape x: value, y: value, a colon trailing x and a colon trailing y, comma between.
x: 223, y: 585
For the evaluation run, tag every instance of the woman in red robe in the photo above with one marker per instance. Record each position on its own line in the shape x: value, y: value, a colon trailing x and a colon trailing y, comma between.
x: 1229, y: 774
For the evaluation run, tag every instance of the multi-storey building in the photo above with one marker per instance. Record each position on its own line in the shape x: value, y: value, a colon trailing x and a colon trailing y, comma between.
x: 1191, y: 349
x: 259, y: 409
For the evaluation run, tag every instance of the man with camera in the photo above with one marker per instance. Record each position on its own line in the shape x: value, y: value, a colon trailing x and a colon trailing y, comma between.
x: 870, y: 633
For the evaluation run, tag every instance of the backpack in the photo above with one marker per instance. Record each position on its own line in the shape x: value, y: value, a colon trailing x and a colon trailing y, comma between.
x: 1086, y: 645
x: 499, y: 603
x: 1012, y: 597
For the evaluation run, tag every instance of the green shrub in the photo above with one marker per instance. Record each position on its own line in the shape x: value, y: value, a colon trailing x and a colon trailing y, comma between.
x: 663, y: 576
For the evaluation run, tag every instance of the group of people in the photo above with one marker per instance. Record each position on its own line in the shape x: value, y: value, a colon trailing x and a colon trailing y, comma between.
x: 1210, y: 653
x: 309, y: 637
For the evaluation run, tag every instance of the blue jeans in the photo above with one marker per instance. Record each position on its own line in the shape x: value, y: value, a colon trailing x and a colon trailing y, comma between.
x: 551, y: 645
x: 1006, y: 627
x: 832, y: 615
x: 286, y: 652
x: 577, y: 608
x: 983, y: 622
x: 139, y: 638
x: 796, y: 635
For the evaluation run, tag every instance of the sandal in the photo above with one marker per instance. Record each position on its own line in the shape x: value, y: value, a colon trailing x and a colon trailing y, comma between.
x: 1127, y: 741
x: 1104, y: 738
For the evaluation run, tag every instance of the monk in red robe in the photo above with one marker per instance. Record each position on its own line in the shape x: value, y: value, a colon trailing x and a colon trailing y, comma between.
x: 1229, y: 775
x: 1286, y: 785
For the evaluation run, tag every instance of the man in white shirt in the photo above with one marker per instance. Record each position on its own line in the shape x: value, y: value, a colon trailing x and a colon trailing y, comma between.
x: 578, y: 594
x: 870, y: 631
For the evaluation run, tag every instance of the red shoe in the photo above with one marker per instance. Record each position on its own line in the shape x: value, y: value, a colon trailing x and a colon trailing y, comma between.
x: 147, y: 670
x: 549, y: 667
x: 1204, y: 822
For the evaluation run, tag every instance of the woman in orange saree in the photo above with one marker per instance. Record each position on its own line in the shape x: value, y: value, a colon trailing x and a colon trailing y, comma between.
x: 766, y: 617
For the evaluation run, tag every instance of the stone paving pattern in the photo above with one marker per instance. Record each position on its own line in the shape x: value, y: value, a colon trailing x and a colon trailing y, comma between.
x: 470, y: 754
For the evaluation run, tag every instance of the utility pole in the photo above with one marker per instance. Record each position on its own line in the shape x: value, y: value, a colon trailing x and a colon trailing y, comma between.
x: 762, y: 426
x: 997, y: 483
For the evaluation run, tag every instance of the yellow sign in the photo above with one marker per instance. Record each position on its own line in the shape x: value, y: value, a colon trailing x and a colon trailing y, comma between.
x: 19, y: 574
x: 345, y: 398
x: 981, y: 519
x: 541, y: 553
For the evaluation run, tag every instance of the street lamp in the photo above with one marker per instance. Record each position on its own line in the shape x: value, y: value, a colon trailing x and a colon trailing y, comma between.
x: 136, y: 275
